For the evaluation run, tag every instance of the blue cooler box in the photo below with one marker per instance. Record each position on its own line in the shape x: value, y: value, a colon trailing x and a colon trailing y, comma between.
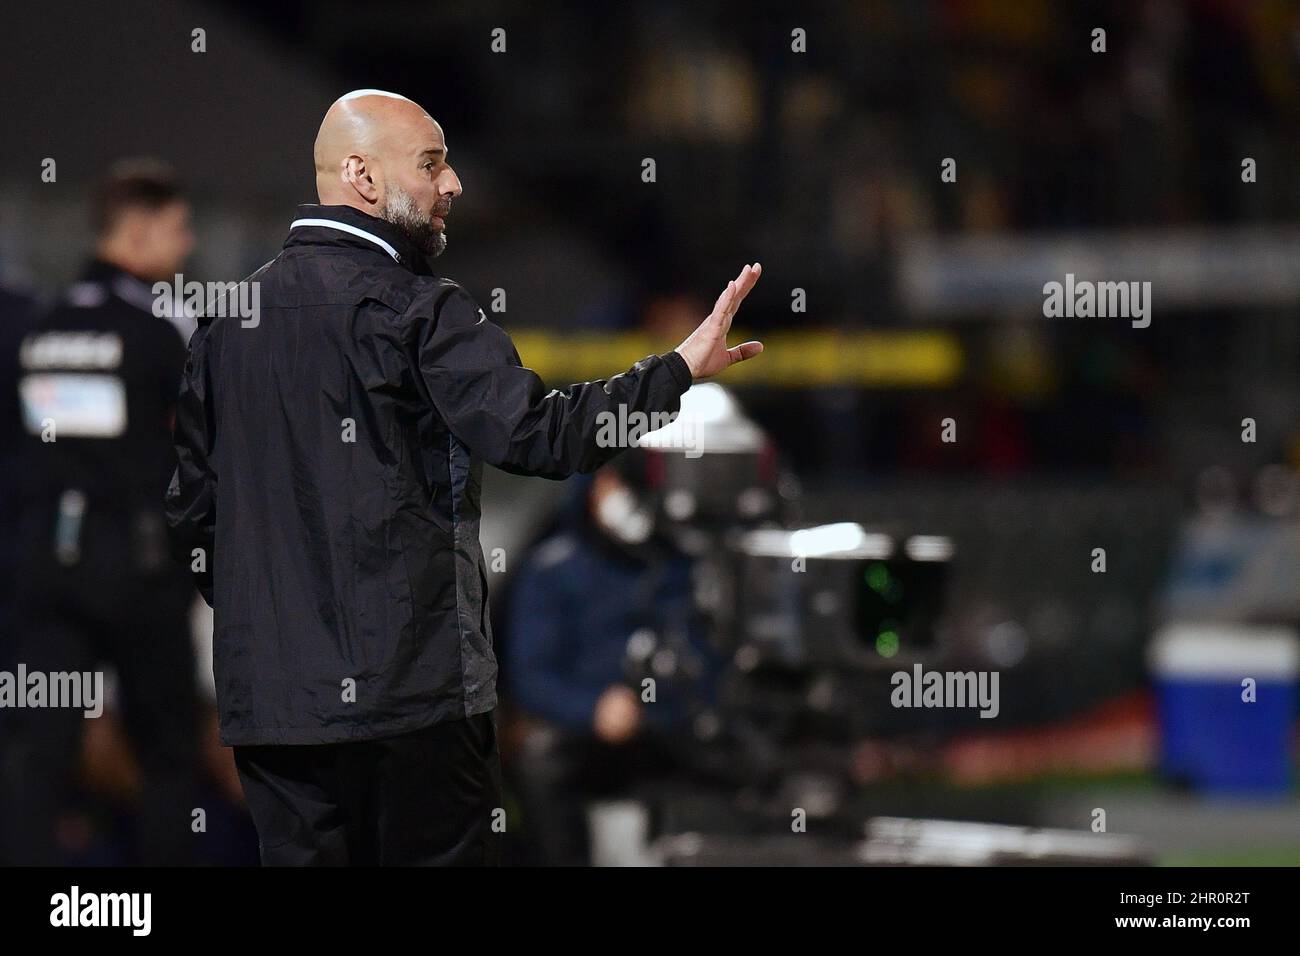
x: 1210, y: 737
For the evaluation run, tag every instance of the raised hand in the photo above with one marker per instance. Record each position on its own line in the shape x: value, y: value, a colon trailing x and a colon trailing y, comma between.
x: 705, y: 349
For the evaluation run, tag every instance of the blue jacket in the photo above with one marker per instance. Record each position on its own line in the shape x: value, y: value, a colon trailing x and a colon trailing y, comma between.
x: 575, y: 603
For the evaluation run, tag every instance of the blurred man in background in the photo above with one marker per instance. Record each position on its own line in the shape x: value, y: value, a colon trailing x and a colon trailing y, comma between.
x: 601, y: 605
x: 99, y: 376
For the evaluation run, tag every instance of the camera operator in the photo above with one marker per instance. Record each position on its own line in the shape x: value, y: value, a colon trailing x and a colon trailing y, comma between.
x: 606, y: 658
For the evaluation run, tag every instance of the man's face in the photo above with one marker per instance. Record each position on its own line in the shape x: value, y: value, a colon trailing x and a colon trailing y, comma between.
x: 419, y: 186
x: 161, y: 239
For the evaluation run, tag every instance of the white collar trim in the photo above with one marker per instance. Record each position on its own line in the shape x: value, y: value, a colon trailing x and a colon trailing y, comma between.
x: 344, y: 227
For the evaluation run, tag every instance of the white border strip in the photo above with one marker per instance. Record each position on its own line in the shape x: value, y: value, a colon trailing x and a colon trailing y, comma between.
x: 344, y: 227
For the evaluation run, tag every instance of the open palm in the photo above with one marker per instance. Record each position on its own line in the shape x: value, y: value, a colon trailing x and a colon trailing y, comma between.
x: 705, y: 349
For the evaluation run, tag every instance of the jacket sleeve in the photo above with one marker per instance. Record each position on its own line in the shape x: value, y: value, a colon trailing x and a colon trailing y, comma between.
x: 191, y: 497
x: 505, y: 414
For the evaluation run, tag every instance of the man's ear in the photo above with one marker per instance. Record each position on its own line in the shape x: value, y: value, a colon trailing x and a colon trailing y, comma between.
x: 357, y: 174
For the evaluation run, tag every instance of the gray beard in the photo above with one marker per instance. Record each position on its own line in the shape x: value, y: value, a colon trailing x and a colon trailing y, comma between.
x: 400, y: 209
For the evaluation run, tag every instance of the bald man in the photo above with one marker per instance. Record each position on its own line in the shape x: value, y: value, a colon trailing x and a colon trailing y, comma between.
x: 327, y: 500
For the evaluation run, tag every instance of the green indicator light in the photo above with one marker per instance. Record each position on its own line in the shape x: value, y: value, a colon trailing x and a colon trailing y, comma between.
x: 877, y: 577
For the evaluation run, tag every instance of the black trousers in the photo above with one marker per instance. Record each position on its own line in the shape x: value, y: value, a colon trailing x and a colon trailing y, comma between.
x: 431, y: 797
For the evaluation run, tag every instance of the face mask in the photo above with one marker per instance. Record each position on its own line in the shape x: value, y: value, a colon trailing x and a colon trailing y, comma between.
x: 621, y: 517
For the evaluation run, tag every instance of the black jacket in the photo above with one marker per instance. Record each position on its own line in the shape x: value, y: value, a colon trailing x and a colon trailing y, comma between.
x: 327, y: 492
x: 101, y: 370
x: 104, y: 370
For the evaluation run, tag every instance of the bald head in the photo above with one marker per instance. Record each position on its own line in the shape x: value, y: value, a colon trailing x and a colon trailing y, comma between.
x: 383, y: 154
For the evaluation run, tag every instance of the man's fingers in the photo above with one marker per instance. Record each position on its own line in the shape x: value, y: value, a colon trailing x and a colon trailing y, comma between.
x: 725, y: 308
x: 745, y: 350
x: 743, y: 284
x: 720, y: 307
x: 724, y: 300
x: 747, y: 277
